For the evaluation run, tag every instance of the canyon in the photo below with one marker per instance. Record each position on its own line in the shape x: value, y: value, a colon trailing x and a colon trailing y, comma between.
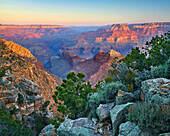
x: 95, y: 69
x: 62, y: 49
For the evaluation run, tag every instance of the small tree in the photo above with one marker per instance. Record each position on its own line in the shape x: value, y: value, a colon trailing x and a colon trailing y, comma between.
x: 136, y: 59
x: 157, y: 52
x: 122, y: 74
x: 158, y: 49
x: 73, y: 92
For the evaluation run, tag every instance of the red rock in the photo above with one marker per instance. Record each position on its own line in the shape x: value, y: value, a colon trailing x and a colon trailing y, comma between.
x: 24, y: 65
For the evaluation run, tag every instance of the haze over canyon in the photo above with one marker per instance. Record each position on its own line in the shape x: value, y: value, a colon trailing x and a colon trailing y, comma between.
x: 87, y: 49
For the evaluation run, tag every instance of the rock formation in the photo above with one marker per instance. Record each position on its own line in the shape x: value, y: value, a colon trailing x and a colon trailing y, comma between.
x: 28, y: 92
x: 156, y: 90
x: 118, y: 115
x: 103, y: 111
x: 130, y: 129
x: 95, y: 69
x: 23, y: 64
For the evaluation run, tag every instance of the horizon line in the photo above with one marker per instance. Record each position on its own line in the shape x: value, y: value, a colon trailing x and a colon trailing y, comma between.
x: 74, y: 25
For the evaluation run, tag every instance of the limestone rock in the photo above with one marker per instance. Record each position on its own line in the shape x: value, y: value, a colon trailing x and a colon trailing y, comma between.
x: 118, y: 115
x: 9, y: 96
x: 124, y: 97
x: 48, y: 131
x: 8, y: 93
x: 82, y: 127
x: 30, y: 87
x: 103, y: 111
x: 130, y: 129
x: 156, y: 90
x: 75, y: 128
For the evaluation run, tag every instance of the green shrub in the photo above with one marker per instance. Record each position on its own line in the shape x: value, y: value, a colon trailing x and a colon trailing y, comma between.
x: 167, y: 69
x: 11, y: 127
x: 2, y: 82
x: 2, y: 72
x: 39, y: 123
x: 161, y: 71
x: 105, y: 94
x: 122, y: 74
x: 150, y: 116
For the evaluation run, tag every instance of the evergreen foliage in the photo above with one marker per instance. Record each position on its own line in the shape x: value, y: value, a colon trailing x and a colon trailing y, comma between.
x: 122, y: 74
x: 150, y: 116
x: 161, y: 71
x: 157, y: 50
x: 105, y: 94
x: 14, y: 110
x: 71, y: 97
x: 136, y: 59
x: 39, y: 121
x: 11, y: 127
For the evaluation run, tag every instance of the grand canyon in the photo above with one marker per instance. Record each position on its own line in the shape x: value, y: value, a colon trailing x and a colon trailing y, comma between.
x: 84, y: 68
x: 62, y: 49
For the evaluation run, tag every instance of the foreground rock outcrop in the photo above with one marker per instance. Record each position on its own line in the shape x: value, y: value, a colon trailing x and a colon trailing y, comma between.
x: 130, y: 129
x: 82, y: 127
x: 112, y: 117
x: 124, y: 97
x: 118, y: 116
x: 156, y: 90
x: 48, y: 131
x: 103, y: 111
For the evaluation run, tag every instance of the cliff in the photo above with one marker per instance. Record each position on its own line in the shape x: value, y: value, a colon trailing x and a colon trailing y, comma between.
x: 95, y: 69
x: 20, y: 62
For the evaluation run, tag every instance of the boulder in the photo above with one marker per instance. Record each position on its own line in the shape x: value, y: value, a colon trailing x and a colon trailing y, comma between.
x: 75, y: 128
x: 48, y: 131
x: 130, y: 129
x: 124, y: 97
x: 82, y: 127
x: 118, y: 116
x: 103, y: 111
x: 30, y: 87
x: 156, y: 90
x: 9, y: 96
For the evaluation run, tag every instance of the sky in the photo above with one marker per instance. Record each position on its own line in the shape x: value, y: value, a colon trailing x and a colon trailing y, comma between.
x: 83, y: 12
